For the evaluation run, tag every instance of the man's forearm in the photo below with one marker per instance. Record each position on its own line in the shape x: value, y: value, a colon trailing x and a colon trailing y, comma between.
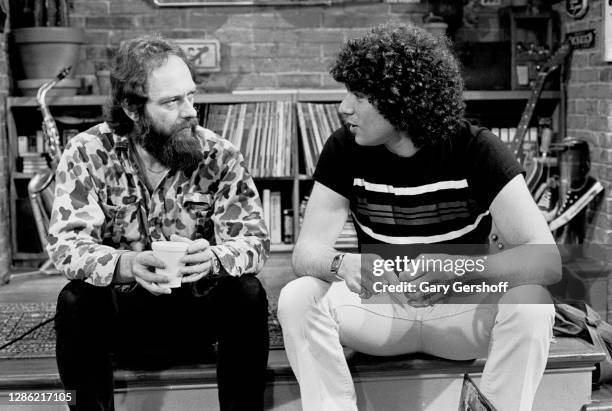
x: 525, y: 264
x: 314, y: 260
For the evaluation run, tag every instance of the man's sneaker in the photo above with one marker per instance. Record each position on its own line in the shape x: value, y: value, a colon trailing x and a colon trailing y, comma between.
x: 548, y: 203
x: 575, y: 201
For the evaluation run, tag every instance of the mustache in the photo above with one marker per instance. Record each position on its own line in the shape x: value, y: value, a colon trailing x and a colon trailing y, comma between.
x: 189, y: 123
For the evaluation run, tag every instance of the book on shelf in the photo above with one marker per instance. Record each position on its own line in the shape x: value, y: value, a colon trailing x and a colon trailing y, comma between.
x: 32, y: 162
x: 265, y: 204
x: 275, y: 218
x: 273, y: 215
x: 262, y: 131
x: 316, y: 121
x: 288, y: 226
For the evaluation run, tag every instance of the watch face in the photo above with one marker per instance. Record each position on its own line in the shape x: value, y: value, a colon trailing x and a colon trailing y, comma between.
x: 335, y: 266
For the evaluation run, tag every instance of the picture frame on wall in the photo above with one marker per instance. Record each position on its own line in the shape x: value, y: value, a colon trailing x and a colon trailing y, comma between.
x: 204, y: 54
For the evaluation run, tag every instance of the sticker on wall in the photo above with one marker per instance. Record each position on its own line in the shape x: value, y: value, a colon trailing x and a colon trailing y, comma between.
x: 584, y: 39
x: 576, y: 8
x: 204, y: 54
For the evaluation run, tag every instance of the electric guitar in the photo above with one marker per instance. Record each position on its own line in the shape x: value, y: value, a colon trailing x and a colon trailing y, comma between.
x: 551, y: 65
x: 535, y: 171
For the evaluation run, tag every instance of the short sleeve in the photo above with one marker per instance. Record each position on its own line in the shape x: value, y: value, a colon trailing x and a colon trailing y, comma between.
x: 493, y: 165
x: 334, y: 166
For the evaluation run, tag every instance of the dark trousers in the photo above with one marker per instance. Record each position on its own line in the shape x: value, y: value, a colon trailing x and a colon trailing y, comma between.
x: 97, y: 327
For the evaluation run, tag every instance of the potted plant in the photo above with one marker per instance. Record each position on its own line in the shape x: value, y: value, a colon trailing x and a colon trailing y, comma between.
x: 44, y: 41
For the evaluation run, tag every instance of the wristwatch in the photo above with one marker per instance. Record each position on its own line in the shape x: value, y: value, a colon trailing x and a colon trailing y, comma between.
x: 215, y: 269
x: 335, y: 265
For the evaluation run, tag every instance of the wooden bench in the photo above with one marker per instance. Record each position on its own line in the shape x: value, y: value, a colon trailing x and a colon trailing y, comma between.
x: 414, y: 382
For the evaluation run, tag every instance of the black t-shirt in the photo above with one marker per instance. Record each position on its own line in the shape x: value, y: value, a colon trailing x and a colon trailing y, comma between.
x: 439, y: 195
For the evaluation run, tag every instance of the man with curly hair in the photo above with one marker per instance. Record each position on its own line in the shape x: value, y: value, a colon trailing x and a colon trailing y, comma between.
x: 411, y: 171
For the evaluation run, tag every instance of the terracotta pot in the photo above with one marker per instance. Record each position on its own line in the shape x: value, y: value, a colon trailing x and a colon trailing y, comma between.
x: 45, y: 51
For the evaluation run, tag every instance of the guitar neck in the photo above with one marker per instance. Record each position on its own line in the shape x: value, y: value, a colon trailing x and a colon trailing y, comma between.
x: 521, y: 130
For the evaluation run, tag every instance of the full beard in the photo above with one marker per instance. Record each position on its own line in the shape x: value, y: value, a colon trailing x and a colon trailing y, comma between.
x: 177, y: 150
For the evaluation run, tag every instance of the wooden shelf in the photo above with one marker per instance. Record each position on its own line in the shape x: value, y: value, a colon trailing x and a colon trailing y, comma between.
x: 281, y: 248
x: 331, y: 95
x: 476, y: 95
x: 29, y: 256
x: 23, y: 176
x: 91, y: 100
x: 97, y: 100
x: 334, y: 95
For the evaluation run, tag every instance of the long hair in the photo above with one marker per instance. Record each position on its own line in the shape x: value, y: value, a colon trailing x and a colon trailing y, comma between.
x: 409, y: 75
x: 133, y: 63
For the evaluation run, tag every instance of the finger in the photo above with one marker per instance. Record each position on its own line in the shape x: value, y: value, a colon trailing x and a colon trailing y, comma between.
x: 143, y: 273
x: 368, y: 284
x: 365, y: 293
x: 176, y: 237
x: 415, y: 297
x: 193, y: 277
x: 197, y: 258
x: 353, y: 286
x: 391, y: 278
x: 436, y: 298
x: 198, y: 245
x: 197, y: 268
x: 153, y: 288
x: 147, y: 258
x: 406, y: 276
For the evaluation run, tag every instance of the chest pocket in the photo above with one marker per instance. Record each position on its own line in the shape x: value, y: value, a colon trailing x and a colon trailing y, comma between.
x: 123, y: 219
x: 196, y: 216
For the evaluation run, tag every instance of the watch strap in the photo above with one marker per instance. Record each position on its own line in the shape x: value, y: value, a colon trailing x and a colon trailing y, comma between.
x: 335, y: 265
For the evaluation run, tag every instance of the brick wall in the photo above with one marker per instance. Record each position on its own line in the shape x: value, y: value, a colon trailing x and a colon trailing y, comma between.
x: 4, y: 204
x: 261, y: 47
x: 589, y: 115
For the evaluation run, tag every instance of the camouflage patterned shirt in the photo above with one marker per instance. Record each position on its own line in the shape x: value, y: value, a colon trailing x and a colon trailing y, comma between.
x: 102, y: 207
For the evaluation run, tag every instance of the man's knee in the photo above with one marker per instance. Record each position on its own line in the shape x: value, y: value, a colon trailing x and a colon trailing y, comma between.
x: 298, y: 297
x: 79, y: 296
x: 529, y: 304
x: 249, y: 291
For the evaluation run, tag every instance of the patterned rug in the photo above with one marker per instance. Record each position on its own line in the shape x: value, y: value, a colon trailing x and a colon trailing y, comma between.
x: 18, y: 318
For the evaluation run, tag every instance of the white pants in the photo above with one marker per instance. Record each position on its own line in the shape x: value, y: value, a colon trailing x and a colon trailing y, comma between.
x: 318, y: 318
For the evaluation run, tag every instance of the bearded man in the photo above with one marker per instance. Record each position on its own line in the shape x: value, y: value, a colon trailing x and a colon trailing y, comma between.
x: 150, y: 173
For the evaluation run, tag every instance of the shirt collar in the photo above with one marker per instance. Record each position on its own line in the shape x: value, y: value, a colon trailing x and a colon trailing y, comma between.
x: 119, y: 142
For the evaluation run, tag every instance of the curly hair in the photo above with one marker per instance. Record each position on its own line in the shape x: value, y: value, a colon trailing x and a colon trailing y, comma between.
x: 133, y: 63
x: 410, y: 76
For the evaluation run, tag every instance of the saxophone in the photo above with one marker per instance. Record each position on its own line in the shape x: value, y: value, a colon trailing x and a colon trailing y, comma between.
x: 41, y: 188
x: 48, y: 125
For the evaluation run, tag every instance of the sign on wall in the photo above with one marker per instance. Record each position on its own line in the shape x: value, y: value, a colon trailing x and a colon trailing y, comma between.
x: 584, y: 39
x: 577, y: 8
x: 204, y: 54
x: 607, y: 30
